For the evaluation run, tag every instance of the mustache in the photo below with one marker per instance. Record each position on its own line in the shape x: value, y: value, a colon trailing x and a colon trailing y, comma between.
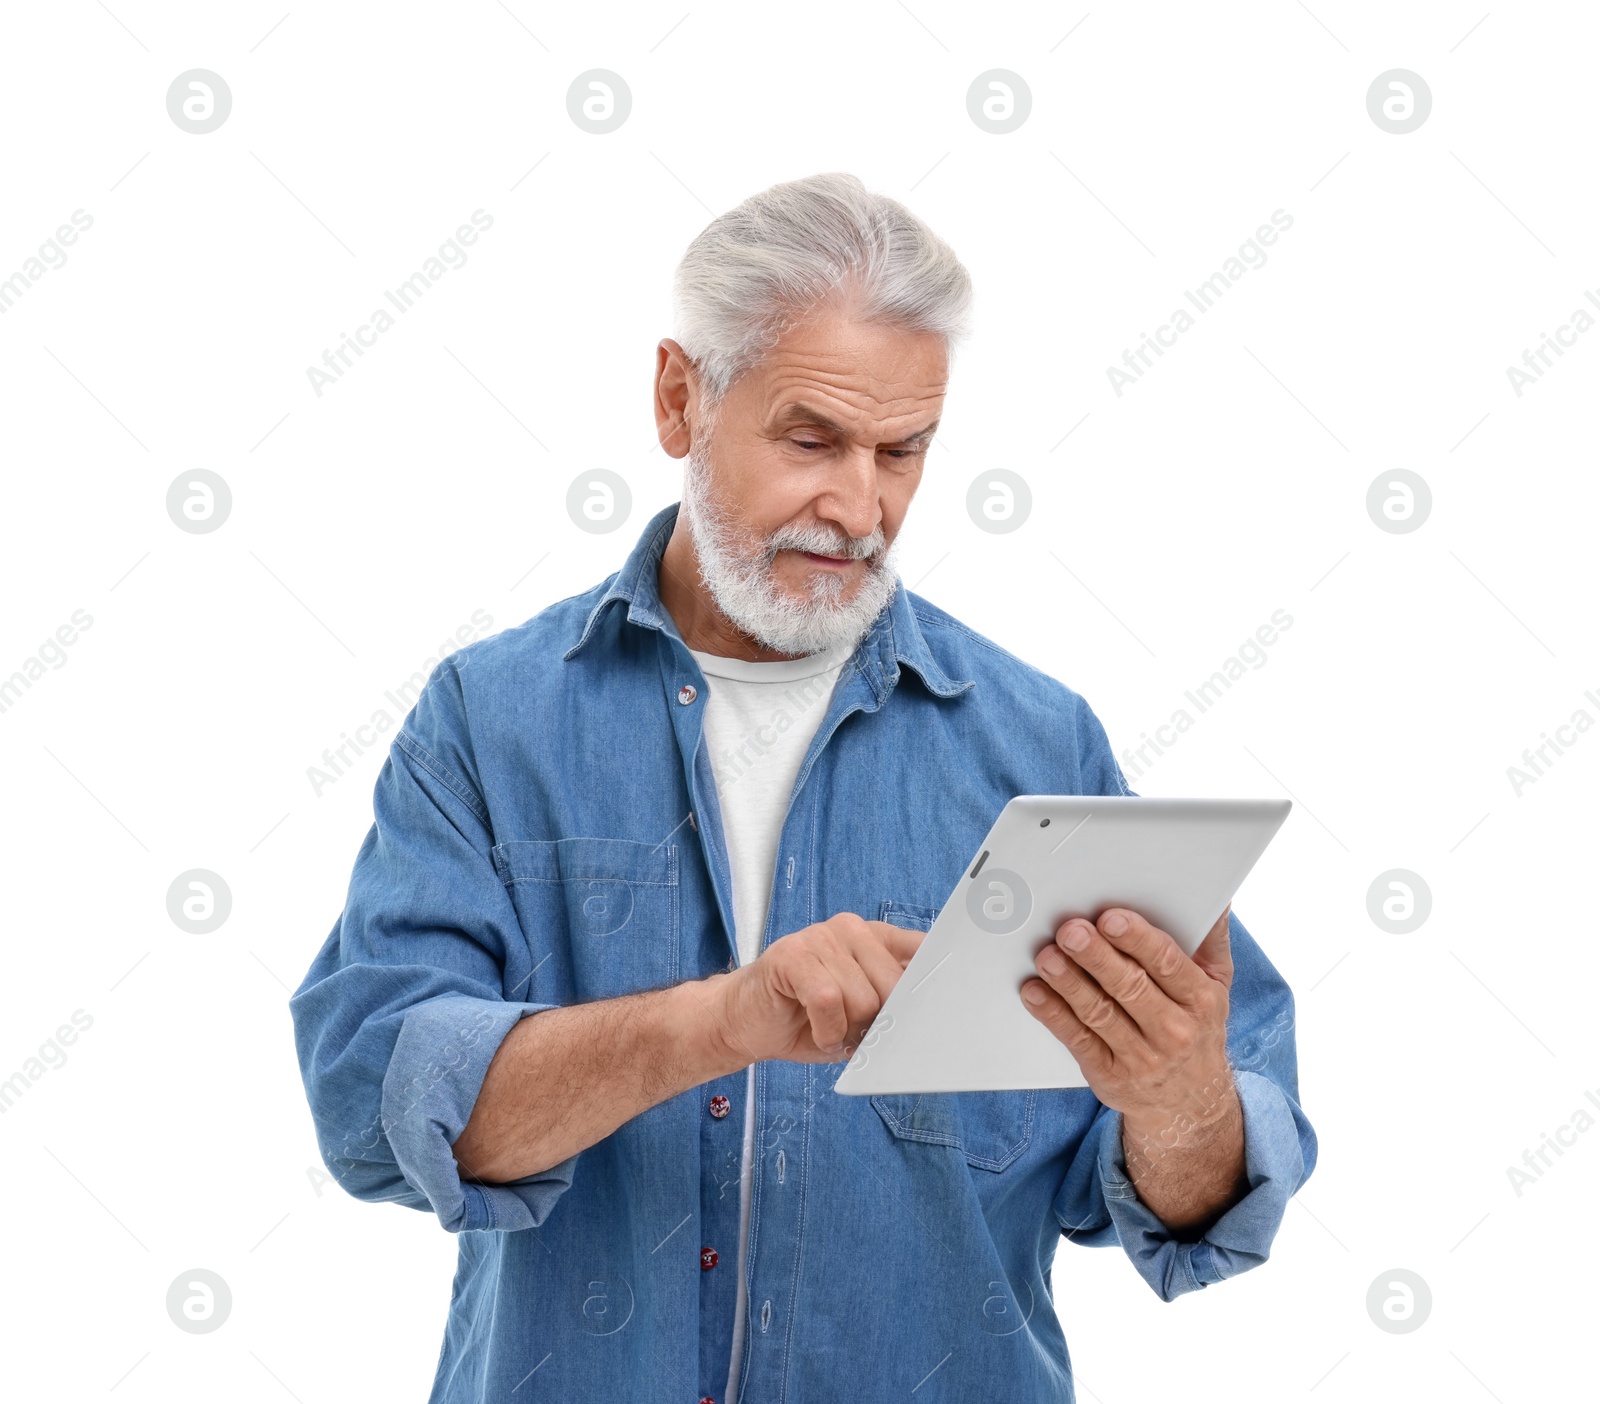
x: 825, y: 541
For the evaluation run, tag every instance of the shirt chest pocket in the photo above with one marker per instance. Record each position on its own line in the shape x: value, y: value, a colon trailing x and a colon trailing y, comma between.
x: 600, y: 915
x: 991, y: 1129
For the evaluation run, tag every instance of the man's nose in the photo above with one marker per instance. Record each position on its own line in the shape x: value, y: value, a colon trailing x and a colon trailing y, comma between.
x: 851, y: 498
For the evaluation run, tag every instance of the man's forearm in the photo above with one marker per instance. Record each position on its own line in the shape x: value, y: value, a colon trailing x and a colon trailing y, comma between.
x: 1190, y: 1169
x: 565, y: 1078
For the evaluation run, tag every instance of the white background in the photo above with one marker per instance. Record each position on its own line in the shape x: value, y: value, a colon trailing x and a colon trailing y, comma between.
x: 430, y: 481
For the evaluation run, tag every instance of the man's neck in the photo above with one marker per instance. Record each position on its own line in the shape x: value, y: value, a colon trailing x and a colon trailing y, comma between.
x: 702, y: 626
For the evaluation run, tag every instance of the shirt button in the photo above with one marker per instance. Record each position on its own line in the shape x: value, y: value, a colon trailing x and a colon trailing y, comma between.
x: 708, y: 1400
x: 720, y: 1106
x: 687, y: 694
x: 708, y: 1259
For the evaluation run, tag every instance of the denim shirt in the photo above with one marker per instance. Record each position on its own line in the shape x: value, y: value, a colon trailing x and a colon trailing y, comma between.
x: 547, y: 833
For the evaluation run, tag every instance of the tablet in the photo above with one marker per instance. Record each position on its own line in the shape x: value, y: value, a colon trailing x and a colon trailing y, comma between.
x: 955, y: 1021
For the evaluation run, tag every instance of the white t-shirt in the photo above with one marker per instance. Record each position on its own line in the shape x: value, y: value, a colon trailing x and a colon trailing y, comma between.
x: 759, y: 722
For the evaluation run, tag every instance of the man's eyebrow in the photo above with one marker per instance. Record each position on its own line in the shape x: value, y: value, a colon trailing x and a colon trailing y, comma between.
x: 806, y: 414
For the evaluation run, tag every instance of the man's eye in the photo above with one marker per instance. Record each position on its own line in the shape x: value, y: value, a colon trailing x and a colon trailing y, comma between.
x: 809, y: 443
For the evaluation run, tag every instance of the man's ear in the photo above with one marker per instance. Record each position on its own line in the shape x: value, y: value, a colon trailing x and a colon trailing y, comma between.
x: 674, y: 391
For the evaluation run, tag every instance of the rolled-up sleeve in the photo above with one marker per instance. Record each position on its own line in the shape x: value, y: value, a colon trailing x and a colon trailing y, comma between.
x: 405, y: 1005
x: 1098, y: 1203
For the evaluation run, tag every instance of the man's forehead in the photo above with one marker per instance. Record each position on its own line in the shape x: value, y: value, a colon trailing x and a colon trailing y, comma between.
x: 842, y: 367
x: 792, y: 411
x: 845, y: 395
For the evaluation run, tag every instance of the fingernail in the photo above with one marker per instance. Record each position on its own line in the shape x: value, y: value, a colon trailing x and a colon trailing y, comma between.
x: 1115, y: 924
x: 1052, y: 960
x: 1076, y: 937
x: 1034, y: 994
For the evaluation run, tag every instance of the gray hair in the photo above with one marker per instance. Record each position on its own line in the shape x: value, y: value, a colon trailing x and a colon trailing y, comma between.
x: 757, y: 269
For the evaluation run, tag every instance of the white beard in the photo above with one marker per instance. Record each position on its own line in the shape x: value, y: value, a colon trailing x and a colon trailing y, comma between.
x: 736, y: 566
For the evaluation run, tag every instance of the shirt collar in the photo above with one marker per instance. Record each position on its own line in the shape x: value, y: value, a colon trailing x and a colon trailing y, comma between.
x: 895, y: 637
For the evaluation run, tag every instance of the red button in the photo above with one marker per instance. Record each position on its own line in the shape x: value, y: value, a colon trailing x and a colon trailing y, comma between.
x: 708, y: 1259
x: 720, y: 1107
x: 708, y: 1400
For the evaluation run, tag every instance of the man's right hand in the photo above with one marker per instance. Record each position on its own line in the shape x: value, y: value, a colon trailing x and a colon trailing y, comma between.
x: 811, y: 996
x: 565, y: 1078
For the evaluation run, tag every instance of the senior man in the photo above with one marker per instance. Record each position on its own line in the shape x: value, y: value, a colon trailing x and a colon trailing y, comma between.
x: 644, y: 868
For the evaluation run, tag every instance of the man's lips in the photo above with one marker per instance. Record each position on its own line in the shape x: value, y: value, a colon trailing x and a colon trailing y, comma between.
x: 838, y: 562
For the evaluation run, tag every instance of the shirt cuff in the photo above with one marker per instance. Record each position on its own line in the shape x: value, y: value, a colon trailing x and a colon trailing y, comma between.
x: 1242, y: 1238
x: 431, y: 1086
